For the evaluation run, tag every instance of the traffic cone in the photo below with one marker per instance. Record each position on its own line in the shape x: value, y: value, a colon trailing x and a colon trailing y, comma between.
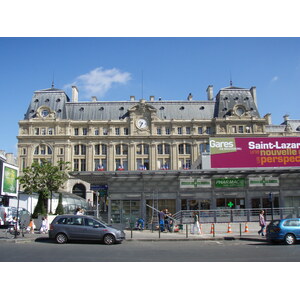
x: 246, y: 227
x: 229, y: 228
x: 212, y: 229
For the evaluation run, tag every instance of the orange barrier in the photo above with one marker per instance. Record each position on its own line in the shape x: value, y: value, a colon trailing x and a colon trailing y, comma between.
x: 212, y: 229
x: 246, y: 227
x: 229, y: 228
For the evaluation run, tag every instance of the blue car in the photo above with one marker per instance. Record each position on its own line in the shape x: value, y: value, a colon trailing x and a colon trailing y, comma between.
x: 285, y: 230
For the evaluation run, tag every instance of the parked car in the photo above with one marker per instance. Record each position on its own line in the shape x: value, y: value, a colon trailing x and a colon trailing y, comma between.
x: 82, y: 227
x: 285, y: 230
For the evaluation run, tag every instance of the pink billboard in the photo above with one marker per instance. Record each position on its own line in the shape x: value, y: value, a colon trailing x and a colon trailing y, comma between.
x: 255, y: 152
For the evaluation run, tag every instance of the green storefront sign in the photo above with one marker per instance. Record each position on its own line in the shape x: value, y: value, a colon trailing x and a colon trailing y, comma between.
x: 195, y: 183
x: 229, y: 182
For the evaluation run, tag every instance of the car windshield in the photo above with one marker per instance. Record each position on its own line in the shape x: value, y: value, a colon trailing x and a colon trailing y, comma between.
x: 101, y: 221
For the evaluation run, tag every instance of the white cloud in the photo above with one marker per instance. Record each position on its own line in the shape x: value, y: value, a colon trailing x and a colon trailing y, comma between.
x: 275, y: 78
x: 98, y: 81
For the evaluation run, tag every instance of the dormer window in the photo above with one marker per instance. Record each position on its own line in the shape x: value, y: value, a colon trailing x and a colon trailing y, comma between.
x: 58, y: 100
x: 181, y: 108
x: 202, y: 107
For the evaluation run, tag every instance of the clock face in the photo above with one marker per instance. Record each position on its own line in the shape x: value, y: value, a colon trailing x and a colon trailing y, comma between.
x: 45, y: 112
x: 141, y: 123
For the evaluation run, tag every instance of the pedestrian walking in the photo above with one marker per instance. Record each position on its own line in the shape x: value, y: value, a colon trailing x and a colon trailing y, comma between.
x: 44, y: 228
x: 161, y: 217
x: 262, y: 222
x: 30, y: 227
x: 167, y: 220
x: 195, y: 226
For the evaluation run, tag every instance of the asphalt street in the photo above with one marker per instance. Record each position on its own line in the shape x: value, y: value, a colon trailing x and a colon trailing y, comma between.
x: 44, y: 250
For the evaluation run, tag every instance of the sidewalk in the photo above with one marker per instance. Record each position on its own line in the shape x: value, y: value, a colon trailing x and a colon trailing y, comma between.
x: 221, y: 233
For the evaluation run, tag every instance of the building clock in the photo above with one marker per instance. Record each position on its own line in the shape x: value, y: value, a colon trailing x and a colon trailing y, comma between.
x: 141, y: 124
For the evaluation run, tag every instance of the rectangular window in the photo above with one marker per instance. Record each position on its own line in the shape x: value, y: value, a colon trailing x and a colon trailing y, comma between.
x: 104, y: 149
x: 208, y: 130
x: 84, y: 131
x: 158, y: 131
x: 36, y: 131
x: 139, y: 149
x: 83, y: 165
x: 187, y: 149
x: 200, y: 130
x: 181, y: 149
x: 24, y: 151
x: 105, y: 131
x: 233, y: 129
x: 118, y: 149
x: 188, y: 130
x: 96, y: 132
x: 126, y: 131
x: 43, y: 131
x: 168, y: 131
x: 160, y: 149
x: 117, y: 131
x: 76, y: 131
x: 97, y: 149
x: 61, y: 151
x: 241, y: 129
x: 76, y: 164
x: 179, y: 130
x: 23, y: 163
x: 50, y: 131
x: 83, y: 149
x: 76, y: 149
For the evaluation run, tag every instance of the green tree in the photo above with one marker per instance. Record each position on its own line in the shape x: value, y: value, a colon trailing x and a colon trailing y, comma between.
x: 44, y: 179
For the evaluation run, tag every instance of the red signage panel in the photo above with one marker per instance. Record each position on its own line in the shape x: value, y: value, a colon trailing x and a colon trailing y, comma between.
x: 255, y: 152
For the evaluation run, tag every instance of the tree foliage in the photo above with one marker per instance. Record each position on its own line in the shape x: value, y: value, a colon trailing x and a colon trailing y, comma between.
x: 44, y: 179
x: 59, y: 209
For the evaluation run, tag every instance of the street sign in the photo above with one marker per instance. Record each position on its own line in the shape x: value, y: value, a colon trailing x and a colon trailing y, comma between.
x: 97, y: 187
x: 230, y: 204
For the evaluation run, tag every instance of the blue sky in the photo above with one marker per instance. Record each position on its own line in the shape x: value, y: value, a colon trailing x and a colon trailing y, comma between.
x: 171, y: 68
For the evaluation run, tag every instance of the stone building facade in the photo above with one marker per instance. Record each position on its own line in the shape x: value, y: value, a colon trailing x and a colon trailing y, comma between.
x: 139, y: 138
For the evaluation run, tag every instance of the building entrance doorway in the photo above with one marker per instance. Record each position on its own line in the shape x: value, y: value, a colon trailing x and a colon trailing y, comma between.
x: 160, y: 204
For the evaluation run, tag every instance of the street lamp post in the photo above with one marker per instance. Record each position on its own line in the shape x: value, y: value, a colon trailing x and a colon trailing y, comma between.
x: 272, y: 203
x: 97, y: 203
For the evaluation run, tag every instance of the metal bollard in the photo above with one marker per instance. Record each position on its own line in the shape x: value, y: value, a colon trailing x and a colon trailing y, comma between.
x: 186, y: 226
x: 240, y: 229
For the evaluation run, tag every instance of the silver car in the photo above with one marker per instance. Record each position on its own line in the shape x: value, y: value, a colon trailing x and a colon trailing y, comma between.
x: 81, y: 227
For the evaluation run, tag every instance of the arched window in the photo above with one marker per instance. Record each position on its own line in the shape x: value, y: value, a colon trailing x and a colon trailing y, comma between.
x: 79, y: 190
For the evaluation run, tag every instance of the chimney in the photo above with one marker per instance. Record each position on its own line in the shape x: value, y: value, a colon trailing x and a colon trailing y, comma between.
x: 253, y: 93
x: 190, y: 97
x: 210, y: 93
x: 132, y: 98
x: 286, y: 118
x: 151, y: 98
x: 268, y: 118
x: 94, y: 99
x: 74, y: 93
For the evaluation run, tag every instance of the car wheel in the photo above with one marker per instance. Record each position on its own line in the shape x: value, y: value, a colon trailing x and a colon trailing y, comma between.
x: 109, y: 239
x: 61, y: 238
x: 289, y: 239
